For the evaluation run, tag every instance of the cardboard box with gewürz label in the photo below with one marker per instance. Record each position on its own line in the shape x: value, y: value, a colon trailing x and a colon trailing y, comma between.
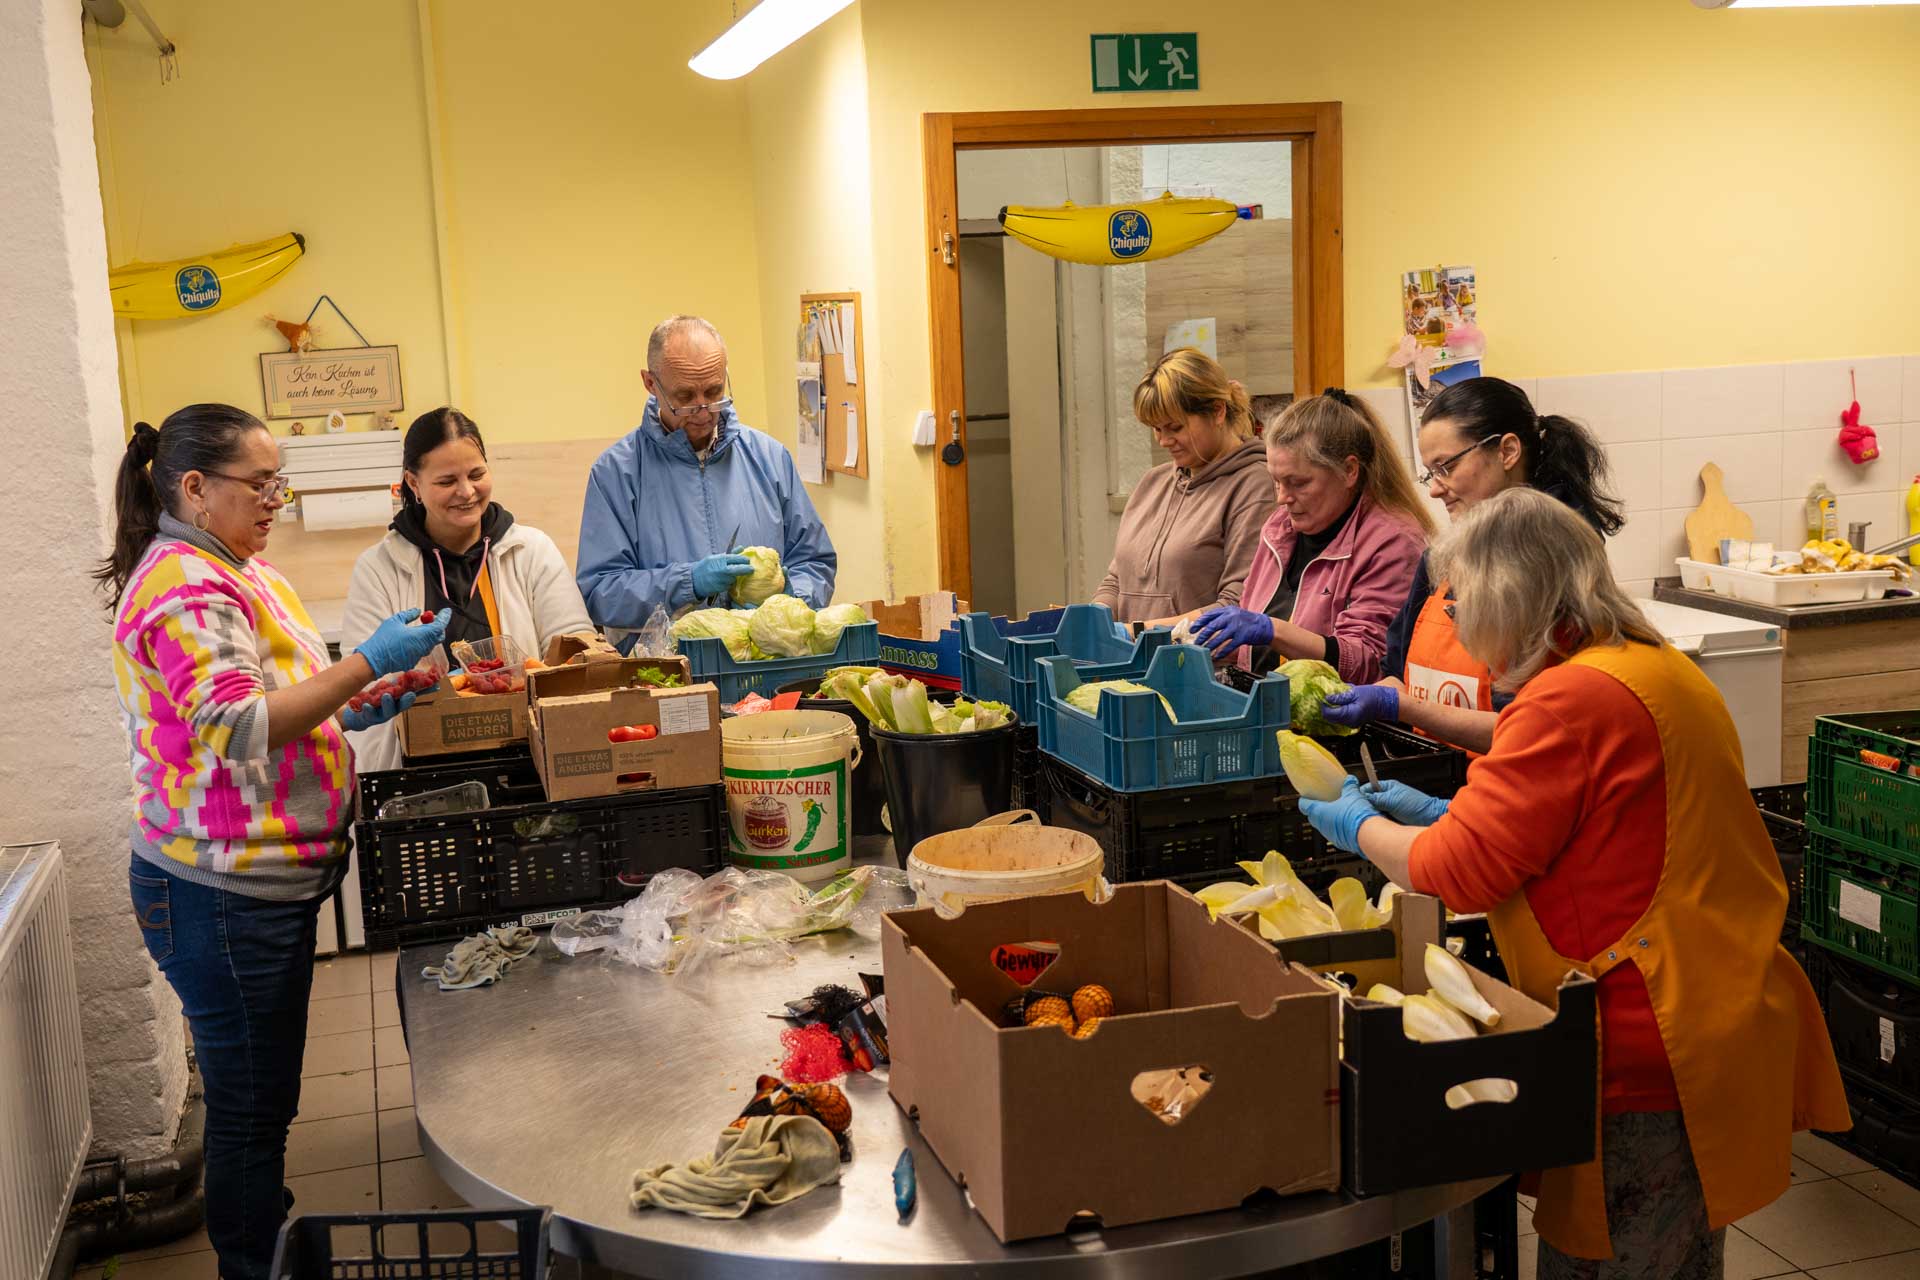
x: 574, y: 707
x: 443, y: 722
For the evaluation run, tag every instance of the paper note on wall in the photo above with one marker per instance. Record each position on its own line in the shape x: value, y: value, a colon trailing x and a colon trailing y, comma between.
x: 853, y: 438
x: 849, y: 371
x: 1202, y: 334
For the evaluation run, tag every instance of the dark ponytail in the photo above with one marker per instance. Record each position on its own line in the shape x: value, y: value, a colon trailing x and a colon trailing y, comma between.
x: 200, y: 437
x: 428, y: 432
x: 1562, y: 457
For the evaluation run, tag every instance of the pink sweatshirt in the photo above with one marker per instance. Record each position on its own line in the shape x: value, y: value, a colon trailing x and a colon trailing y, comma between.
x: 1351, y: 591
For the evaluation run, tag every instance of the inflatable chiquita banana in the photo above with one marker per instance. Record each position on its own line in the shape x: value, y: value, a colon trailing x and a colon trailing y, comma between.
x: 202, y: 286
x: 1112, y: 235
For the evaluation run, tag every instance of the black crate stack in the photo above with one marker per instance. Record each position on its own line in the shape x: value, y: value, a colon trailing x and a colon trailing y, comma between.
x: 1859, y: 912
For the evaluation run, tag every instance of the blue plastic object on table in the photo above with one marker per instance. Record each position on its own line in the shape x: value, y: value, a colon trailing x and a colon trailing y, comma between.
x: 709, y: 661
x: 999, y: 658
x: 1218, y: 734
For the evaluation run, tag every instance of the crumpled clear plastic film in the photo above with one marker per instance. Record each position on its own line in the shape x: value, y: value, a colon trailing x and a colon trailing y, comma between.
x: 680, y: 920
x: 655, y: 640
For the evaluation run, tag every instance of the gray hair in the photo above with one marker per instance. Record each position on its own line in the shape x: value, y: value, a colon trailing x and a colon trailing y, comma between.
x: 1532, y: 583
x: 675, y: 327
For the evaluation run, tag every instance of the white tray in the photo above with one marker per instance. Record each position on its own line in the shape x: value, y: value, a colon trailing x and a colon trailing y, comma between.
x: 1784, y: 590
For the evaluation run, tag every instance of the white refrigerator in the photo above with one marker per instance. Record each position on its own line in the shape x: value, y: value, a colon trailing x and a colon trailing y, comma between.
x: 1743, y: 659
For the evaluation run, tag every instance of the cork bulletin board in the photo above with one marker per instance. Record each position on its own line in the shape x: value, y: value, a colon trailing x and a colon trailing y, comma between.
x: 843, y: 379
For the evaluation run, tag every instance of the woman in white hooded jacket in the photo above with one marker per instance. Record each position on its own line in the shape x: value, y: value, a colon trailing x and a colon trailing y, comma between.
x: 453, y: 548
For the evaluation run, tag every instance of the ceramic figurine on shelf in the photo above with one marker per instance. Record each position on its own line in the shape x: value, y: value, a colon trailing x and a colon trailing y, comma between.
x: 298, y: 428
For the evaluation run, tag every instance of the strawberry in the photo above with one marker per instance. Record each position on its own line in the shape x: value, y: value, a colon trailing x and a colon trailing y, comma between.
x: 426, y: 615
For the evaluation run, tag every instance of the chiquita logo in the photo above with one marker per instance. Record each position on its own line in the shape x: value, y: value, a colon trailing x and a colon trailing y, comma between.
x: 1128, y: 233
x: 197, y: 288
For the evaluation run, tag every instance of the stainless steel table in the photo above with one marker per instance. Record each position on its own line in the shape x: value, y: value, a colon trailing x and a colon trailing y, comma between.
x: 552, y: 1087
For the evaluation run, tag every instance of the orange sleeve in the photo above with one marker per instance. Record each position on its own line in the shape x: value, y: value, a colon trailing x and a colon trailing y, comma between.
x: 1528, y: 795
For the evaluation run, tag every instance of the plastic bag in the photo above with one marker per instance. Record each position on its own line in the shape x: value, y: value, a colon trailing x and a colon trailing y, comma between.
x: 655, y: 640
x: 679, y: 920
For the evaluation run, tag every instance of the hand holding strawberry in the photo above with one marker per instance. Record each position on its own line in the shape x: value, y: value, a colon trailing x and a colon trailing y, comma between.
x: 395, y: 645
x: 365, y: 712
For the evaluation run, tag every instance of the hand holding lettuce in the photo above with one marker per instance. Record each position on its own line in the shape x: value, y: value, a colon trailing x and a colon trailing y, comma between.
x: 765, y: 580
x: 1309, y: 682
x: 900, y: 705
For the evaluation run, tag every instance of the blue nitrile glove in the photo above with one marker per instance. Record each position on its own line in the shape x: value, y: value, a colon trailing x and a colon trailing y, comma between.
x: 715, y: 574
x: 397, y: 646
x: 1406, y: 806
x: 1339, y: 820
x: 1362, y: 704
x: 1225, y: 628
x: 379, y: 713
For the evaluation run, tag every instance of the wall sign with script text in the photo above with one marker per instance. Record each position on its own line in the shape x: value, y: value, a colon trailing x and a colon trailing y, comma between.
x: 298, y: 384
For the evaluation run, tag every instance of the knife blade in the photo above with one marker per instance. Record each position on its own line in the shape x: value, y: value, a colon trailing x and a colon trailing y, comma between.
x: 1366, y: 762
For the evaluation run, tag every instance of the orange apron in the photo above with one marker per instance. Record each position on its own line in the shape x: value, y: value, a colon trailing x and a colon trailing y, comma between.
x: 1439, y: 669
x: 1745, y: 1038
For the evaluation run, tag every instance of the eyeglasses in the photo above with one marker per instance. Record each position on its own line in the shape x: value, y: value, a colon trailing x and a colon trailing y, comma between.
x: 265, y: 490
x: 1443, y: 468
x: 719, y: 406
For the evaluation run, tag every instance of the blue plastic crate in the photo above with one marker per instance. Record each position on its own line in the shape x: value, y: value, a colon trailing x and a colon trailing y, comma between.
x: 998, y: 658
x: 1218, y: 735
x: 710, y: 662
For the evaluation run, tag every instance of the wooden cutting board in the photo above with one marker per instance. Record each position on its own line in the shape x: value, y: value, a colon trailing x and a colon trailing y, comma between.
x: 1715, y: 518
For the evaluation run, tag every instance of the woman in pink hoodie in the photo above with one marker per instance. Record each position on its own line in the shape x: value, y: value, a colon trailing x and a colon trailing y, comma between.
x: 1337, y: 555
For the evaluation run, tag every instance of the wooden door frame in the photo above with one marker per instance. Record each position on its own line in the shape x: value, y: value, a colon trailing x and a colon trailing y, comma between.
x: 1319, y: 358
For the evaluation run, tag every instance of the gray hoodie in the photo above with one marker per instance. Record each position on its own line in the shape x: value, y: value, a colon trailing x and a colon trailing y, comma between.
x: 1186, y: 540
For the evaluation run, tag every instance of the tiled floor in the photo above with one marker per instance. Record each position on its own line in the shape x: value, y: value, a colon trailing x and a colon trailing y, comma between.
x: 1842, y: 1219
x: 355, y: 1148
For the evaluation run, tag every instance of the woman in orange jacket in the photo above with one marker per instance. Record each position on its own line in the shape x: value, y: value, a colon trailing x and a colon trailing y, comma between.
x: 1609, y: 830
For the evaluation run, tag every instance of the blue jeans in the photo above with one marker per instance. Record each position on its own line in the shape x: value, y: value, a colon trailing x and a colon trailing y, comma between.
x: 243, y: 968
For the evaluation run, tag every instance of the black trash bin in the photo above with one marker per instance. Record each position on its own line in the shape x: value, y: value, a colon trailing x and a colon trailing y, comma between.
x: 944, y: 781
x: 869, y: 787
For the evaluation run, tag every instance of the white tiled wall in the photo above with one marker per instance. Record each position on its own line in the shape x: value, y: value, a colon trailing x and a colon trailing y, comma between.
x: 1771, y: 428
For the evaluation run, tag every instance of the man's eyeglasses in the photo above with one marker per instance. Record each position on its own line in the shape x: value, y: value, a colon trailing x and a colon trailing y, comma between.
x: 1443, y: 468
x: 715, y: 407
x: 265, y: 490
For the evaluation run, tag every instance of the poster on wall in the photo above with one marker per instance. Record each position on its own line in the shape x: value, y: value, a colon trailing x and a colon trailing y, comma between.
x: 1442, y: 342
x: 298, y: 384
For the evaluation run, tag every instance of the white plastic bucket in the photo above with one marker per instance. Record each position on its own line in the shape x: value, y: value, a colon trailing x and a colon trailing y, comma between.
x: 1004, y: 857
x: 788, y: 777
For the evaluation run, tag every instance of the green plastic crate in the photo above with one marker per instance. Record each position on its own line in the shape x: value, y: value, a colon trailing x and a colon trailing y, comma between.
x: 1862, y: 800
x: 1862, y: 903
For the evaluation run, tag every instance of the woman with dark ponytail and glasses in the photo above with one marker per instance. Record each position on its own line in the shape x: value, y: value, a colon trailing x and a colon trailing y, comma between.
x: 1477, y: 438
x: 456, y: 551
x: 243, y: 785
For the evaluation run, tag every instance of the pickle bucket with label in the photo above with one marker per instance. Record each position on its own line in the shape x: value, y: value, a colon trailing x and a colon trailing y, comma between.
x: 789, y: 788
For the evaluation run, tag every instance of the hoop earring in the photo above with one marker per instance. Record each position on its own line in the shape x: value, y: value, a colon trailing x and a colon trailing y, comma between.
x: 202, y: 521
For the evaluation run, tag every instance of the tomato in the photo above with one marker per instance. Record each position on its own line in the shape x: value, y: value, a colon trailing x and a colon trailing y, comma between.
x: 426, y: 616
x: 632, y: 733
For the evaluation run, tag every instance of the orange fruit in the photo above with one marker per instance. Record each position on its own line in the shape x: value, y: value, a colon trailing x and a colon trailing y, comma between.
x: 1047, y: 1006
x: 1085, y: 1029
x: 1052, y: 1019
x: 1092, y: 1001
x: 829, y: 1104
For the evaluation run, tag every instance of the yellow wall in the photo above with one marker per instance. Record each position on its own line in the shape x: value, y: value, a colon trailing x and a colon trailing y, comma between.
x: 808, y: 108
x: 1641, y: 184
x: 591, y: 185
x: 278, y: 122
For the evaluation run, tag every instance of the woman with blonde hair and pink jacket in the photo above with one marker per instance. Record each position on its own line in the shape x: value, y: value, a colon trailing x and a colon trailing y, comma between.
x: 1335, y: 559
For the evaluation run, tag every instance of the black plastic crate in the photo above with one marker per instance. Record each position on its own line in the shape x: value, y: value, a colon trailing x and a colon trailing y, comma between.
x: 1789, y: 800
x: 1789, y: 836
x: 1886, y: 1129
x: 408, y: 1246
x: 1873, y: 1020
x: 1198, y: 833
x: 509, y: 777
x: 431, y: 879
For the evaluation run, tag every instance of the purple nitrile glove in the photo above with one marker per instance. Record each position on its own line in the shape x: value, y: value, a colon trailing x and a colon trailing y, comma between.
x: 1362, y: 704
x: 1225, y: 628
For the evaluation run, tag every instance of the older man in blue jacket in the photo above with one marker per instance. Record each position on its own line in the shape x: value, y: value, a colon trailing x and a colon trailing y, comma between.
x: 670, y: 505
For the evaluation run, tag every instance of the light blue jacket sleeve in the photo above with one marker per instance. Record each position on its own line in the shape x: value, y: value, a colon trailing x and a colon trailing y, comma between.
x: 619, y: 591
x: 808, y: 558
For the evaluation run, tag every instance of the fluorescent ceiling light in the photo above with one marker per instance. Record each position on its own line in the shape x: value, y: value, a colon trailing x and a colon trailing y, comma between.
x: 1796, y: 4
x: 769, y: 27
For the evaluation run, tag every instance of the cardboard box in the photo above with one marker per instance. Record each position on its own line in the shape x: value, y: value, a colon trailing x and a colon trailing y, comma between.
x: 579, y: 646
x: 573, y: 707
x: 441, y: 722
x: 919, y: 637
x: 1397, y: 1130
x: 1040, y: 1126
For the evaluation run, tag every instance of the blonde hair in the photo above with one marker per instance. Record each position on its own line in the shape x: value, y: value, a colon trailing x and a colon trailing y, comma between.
x: 1531, y: 583
x: 1329, y: 428
x: 1187, y: 381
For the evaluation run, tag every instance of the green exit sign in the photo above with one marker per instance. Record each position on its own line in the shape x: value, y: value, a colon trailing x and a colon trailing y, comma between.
x: 1163, y: 62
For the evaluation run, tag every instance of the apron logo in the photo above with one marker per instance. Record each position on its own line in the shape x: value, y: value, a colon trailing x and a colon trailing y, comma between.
x: 1451, y: 694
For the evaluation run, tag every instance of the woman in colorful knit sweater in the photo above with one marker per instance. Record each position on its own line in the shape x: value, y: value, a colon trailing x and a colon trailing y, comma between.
x: 243, y: 782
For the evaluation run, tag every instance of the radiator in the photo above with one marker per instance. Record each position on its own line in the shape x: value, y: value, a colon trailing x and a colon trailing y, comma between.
x: 43, y: 1072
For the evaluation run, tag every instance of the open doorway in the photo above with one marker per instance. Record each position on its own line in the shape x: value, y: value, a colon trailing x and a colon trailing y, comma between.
x: 1052, y: 349
x: 1035, y: 359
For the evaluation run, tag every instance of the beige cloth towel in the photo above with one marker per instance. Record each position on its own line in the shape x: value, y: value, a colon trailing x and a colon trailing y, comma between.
x: 772, y: 1160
